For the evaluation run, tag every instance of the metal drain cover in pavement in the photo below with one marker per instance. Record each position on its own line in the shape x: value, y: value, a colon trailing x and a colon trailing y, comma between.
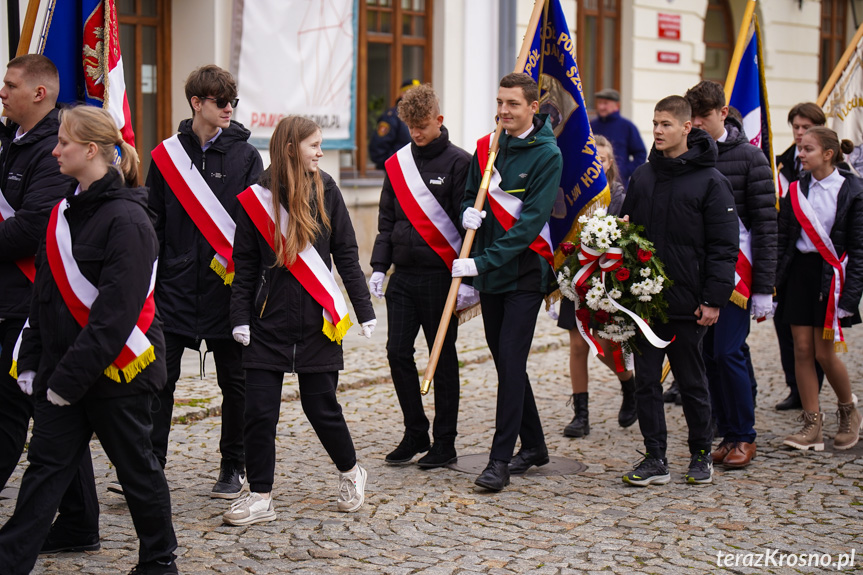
x: 474, y: 464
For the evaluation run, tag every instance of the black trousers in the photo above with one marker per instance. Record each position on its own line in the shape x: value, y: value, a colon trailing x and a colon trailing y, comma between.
x: 228, y: 355
x: 79, y: 508
x: 687, y: 364
x: 60, y: 439
x: 786, y: 355
x: 414, y: 301
x: 318, y: 398
x: 509, y: 320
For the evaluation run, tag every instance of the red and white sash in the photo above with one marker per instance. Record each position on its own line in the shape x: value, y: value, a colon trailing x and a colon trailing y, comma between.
x: 815, y: 231
x: 743, y: 270
x: 309, y: 268
x: 27, y: 265
x: 506, y: 207
x: 79, y: 294
x: 421, y: 207
x: 199, y: 201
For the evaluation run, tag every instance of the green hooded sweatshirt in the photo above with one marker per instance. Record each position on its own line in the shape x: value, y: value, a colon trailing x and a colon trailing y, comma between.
x: 530, y: 170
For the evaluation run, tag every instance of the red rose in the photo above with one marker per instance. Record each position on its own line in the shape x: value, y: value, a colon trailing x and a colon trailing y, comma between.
x: 622, y: 274
x: 582, y: 290
x: 602, y: 316
x: 568, y: 248
x: 583, y: 314
x: 644, y: 255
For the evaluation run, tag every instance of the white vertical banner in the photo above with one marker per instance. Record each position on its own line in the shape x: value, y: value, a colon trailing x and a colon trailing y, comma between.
x: 844, y: 105
x: 296, y: 57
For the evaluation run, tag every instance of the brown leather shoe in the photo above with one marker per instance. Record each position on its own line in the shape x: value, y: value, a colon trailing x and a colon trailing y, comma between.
x: 721, y: 451
x: 740, y: 455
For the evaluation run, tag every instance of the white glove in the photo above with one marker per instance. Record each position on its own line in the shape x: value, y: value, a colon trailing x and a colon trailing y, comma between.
x: 25, y: 381
x: 369, y: 328
x: 467, y: 296
x: 762, y: 305
x: 472, y: 218
x: 464, y: 268
x: 553, y: 313
x: 242, y: 334
x: 842, y: 314
x: 56, y: 399
x: 376, y: 284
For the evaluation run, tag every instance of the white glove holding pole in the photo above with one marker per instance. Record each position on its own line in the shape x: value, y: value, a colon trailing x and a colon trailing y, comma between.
x: 369, y: 328
x: 467, y: 296
x: 762, y: 305
x: 25, y: 381
x: 376, y: 284
x: 242, y: 334
x: 472, y: 218
x: 465, y: 268
x: 56, y: 399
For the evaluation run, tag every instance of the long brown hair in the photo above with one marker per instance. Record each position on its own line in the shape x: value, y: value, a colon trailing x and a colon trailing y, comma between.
x: 611, y: 173
x: 293, y: 187
x: 86, y: 124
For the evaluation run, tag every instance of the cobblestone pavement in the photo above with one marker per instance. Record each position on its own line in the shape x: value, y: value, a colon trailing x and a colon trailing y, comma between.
x: 437, y: 522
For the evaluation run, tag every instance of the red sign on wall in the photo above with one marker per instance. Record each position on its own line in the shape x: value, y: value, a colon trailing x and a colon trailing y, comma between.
x: 668, y: 57
x: 669, y: 26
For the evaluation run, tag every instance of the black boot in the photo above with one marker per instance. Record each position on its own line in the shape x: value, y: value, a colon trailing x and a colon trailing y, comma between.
x: 441, y: 454
x: 410, y: 445
x: 580, y: 424
x: 495, y: 476
x: 627, y: 414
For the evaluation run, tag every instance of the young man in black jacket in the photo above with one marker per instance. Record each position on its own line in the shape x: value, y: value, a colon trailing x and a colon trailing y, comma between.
x: 687, y: 210
x: 418, y: 231
x: 725, y: 353
x: 193, y: 289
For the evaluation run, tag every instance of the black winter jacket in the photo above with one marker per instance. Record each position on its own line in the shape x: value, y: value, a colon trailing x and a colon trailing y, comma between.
x: 443, y: 166
x: 32, y: 184
x: 192, y: 298
x: 748, y: 171
x: 115, y: 246
x: 785, y: 164
x: 687, y: 210
x: 846, y: 235
x: 285, y: 321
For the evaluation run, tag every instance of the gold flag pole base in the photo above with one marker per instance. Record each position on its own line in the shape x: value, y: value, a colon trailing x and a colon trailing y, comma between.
x: 424, y: 388
x: 666, y: 369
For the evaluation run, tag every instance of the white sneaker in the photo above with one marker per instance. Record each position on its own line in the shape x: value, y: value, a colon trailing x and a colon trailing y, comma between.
x: 352, y: 490
x: 252, y: 508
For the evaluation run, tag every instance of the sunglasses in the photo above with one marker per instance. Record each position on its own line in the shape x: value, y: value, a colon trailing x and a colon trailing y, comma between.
x: 222, y: 102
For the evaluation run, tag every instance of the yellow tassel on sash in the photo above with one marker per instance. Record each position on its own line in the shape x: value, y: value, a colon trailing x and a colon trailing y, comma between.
x: 134, y: 368
x: 337, y: 332
x: 840, y: 347
x: 217, y: 267
x: 14, y: 371
x: 828, y: 334
x: 739, y: 299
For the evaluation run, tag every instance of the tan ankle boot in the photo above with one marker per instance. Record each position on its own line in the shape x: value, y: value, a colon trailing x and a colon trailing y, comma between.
x: 850, y: 424
x: 810, y: 436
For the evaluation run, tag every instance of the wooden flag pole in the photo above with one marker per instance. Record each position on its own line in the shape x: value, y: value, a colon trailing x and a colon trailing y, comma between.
x: 27, y: 28
x: 840, y: 67
x: 467, y: 243
x: 739, y: 47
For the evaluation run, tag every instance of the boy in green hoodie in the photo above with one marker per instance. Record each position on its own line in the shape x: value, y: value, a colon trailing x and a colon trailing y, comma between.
x: 511, y: 262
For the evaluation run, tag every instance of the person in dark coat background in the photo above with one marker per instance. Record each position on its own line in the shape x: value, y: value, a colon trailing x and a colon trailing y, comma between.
x: 82, y: 385
x: 725, y: 353
x: 687, y: 210
x: 279, y: 320
x: 192, y: 297
x: 391, y: 133
x: 629, y: 150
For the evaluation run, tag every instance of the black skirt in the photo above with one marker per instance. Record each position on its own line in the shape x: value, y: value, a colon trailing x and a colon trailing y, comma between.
x: 566, y: 317
x: 800, y: 299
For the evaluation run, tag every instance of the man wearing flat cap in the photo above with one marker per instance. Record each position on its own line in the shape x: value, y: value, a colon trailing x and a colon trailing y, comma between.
x: 629, y: 151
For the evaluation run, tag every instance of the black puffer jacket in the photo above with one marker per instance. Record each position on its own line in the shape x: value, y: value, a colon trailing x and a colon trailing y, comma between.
x: 751, y: 180
x: 785, y: 164
x: 687, y: 210
x: 115, y: 247
x: 284, y: 319
x: 32, y: 184
x: 192, y: 298
x: 846, y: 235
x: 443, y: 166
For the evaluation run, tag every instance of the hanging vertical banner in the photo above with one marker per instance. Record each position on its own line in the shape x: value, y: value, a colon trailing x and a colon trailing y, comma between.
x: 296, y: 57
x: 842, y: 98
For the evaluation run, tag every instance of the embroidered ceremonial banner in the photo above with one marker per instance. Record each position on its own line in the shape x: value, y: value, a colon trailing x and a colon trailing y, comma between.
x: 207, y: 212
x: 79, y: 294
x: 507, y: 208
x: 421, y: 207
x: 309, y: 268
x: 26, y: 265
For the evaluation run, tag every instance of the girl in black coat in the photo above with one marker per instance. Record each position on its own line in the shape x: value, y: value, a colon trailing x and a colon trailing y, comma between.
x: 805, y: 280
x: 95, y: 371
x: 275, y: 315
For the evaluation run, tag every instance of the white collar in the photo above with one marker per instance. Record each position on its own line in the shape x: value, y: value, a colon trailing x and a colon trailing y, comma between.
x: 524, y: 134
x: 724, y: 135
x: 834, y: 179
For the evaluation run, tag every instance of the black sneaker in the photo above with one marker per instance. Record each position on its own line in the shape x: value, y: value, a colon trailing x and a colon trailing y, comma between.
x: 57, y: 542
x: 441, y: 454
x: 700, y: 469
x: 155, y: 568
x: 232, y: 479
x: 649, y: 471
x: 409, y: 446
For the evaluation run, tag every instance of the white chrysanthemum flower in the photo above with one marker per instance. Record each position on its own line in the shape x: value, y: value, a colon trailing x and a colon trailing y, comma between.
x: 600, y: 213
x: 606, y: 305
x: 645, y: 272
x: 583, y: 220
x: 596, y: 281
x: 615, y: 294
x: 615, y: 234
x: 603, y: 243
x: 645, y: 298
x: 635, y: 289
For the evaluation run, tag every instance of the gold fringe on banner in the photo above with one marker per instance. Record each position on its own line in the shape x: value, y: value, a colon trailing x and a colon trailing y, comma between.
x: 134, y: 368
